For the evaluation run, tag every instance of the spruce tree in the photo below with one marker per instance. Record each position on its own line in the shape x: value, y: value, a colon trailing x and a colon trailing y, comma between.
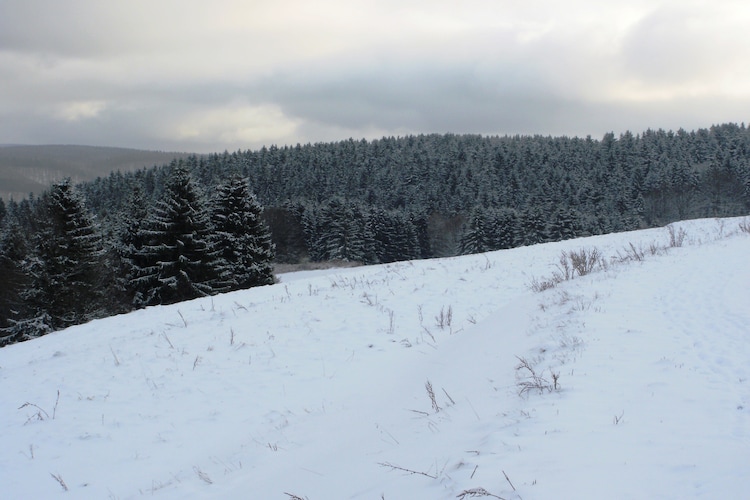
x: 504, y: 228
x: 130, y: 241
x: 13, y: 250
x: 240, y: 236
x: 474, y: 239
x: 65, y: 266
x: 177, y: 260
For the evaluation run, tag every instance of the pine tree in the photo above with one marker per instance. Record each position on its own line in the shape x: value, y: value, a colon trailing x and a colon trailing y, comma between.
x: 338, y: 231
x: 504, y: 229
x: 565, y: 224
x: 475, y: 239
x: 240, y: 236
x: 532, y: 226
x: 130, y: 241
x: 177, y: 261
x: 65, y: 266
x: 13, y: 250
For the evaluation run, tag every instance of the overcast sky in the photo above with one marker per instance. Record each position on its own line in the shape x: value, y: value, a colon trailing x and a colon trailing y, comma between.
x: 200, y: 76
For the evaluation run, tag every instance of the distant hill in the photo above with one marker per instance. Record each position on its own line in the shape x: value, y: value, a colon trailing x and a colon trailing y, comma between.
x: 32, y: 169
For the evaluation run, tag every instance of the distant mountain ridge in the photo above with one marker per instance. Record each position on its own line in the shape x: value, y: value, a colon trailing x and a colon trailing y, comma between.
x: 28, y: 169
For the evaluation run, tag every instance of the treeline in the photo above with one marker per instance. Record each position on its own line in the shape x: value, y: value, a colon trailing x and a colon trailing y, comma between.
x: 449, y: 189
x: 400, y: 198
x: 60, y: 267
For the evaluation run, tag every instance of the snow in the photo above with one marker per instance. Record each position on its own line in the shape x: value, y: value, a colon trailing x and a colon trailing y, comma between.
x: 316, y: 387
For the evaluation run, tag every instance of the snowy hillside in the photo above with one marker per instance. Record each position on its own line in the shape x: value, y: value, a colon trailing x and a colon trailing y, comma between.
x: 420, y: 380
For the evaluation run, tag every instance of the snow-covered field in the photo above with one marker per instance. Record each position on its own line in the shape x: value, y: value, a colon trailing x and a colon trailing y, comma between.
x: 402, y: 381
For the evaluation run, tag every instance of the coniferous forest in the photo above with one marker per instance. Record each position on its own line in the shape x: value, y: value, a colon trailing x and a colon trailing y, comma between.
x: 207, y: 224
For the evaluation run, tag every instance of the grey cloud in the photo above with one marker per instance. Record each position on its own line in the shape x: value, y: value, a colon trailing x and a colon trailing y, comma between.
x: 439, y: 98
x: 682, y: 42
x: 121, y: 82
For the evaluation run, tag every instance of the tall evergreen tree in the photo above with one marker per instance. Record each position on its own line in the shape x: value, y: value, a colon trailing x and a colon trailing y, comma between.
x: 65, y: 267
x: 504, y: 228
x: 240, y: 236
x: 13, y: 250
x: 177, y: 260
x: 475, y: 238
x: 129, y: 246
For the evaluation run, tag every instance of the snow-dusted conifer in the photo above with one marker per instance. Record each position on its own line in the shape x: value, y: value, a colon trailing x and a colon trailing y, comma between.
x: 64, y: 268
x: 240, y: 236
x: 177, y: 260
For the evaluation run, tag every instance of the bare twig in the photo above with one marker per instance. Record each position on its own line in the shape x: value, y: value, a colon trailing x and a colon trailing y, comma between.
x: 396, y: 467
x: 508, y: 479
x: 182, y: 317
x: 203, y: 475
x: 294, y: 497
x: 38, y: 415
x: 54, y: 410
x: 117, y: 361
x: 431, y: 394
x: 449, y: 397
x: 167, y: 339
x: 59, y: 479
x: 477, y: 492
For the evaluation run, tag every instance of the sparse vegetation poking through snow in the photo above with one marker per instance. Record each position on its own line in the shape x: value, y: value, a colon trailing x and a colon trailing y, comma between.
x: 539, y: 285
x: 527, y: 379
x: 676, y: 236
x: 410, y: 471
x: 39, y: 415
x: 445, y: 318
x: 60, y: 480
x: 632, y: 253
x: 295, y: 497
x: 585, y: 261
x: 431, y: 394
x: 509, y: 482
x: 571, y: 263
x: 475, y: 493
x: 202, y: 475
x: 744, y: 226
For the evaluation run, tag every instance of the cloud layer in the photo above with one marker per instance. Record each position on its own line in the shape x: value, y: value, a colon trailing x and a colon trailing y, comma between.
x: 192, y: 76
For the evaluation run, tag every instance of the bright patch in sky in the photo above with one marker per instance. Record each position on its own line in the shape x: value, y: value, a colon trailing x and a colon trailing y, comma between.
x: 81, y: 110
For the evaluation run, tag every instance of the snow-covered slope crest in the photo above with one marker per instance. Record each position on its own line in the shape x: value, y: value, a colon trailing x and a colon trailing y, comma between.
x: 433, y: 379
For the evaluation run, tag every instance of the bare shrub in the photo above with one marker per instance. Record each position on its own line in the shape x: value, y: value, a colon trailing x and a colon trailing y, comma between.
x: 745, y: 226
x: 564, y: 267
x: 676, y: 236
x: 445, y: 318
x: 632, y: 253
x: 539, y: 285
x: 585, y: 261
x: 527, y: 379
